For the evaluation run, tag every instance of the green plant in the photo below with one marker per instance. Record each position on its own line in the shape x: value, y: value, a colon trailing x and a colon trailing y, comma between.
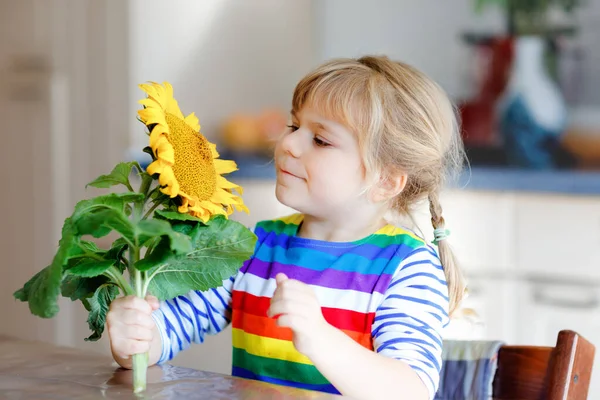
x: 529, y: 17
x: 163, y: 249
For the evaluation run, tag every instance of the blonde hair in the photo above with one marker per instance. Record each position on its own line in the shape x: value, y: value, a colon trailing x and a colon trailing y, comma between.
x: 404, y: 122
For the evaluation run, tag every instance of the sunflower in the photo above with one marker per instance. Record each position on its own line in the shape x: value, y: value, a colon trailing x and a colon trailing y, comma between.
x: 186, y: 162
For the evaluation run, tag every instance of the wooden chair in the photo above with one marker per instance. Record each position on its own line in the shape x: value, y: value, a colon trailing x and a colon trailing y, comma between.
x: 545, y: 373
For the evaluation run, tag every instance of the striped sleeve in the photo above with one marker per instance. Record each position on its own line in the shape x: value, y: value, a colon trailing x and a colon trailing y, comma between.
x: 186, y: 319
x: 409, y: 322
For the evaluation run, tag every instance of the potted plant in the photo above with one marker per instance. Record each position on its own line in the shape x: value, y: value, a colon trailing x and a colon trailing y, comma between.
x: 532, y: 111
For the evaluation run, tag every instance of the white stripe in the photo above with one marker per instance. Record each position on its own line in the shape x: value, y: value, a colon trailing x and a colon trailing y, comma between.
x: 331, y: 298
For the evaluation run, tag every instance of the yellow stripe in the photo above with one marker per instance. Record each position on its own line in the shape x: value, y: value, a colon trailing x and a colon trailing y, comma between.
x: 267, y: 347
x: 392, y: 230
x: 294, y: 219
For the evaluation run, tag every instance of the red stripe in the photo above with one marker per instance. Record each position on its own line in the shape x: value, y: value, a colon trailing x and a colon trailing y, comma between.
x: 267, y: 327
x: 342, y: 319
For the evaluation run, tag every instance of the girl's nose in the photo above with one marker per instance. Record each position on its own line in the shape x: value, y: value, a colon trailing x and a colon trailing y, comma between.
x: 292, y: 144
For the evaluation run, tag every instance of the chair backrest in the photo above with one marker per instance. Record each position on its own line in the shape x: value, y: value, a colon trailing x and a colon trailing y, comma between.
x: 562, y: 372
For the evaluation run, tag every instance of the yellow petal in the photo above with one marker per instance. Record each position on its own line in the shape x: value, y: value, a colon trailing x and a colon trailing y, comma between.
x: 157, y: 132
x: 149, y: 89
x: 225, y: 166
x: 156, y: 167
x: 164, y: 151
x: 150, y: 116
x: 167, y: 178
x: 149, y: 102
x: 225, y: 184
x: 213, y: 149
x: 211, y: 207
x: 193, y: 122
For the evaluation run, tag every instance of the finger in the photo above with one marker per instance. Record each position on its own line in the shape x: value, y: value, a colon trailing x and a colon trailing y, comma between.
x: 153, y: 301
x: 287, y: 307
x: 136, y: 332
x: 290, y: 321
x: 126, y: 348
x: 280, y: 278
x: 292, y: 284
x: 135, y: 303
x: 135, y: 317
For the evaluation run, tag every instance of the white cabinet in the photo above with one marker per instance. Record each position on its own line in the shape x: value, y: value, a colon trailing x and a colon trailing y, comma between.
x: 481, y: 225
x: 547, y: 307
x: 558, y: 236
x: 491, y: 303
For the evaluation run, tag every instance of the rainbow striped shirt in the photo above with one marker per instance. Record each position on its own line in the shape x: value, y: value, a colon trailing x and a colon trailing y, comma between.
x: 387, y: 292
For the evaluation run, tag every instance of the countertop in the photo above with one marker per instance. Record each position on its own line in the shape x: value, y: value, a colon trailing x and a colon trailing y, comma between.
x: 34, y: 370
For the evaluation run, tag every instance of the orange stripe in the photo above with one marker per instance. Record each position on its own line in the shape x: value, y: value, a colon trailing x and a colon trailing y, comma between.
x: 267, y: 327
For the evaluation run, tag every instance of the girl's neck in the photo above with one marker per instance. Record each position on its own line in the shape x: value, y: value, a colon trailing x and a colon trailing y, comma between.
x: 348, y: 230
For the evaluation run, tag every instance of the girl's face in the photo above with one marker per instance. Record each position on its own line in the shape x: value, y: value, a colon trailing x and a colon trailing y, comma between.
x: 319, y: 167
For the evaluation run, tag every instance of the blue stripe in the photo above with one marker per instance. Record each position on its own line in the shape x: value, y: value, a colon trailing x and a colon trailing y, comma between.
x: 184, y: 315
x: 170, y: 328
x: 209, y: 311
x: 389, y: 343
x: 439, y: 318
x: 426, y: 249
x: 216, y: 292
x: 418, y: 329
x: 244, y: 373
x: 395, y: 315
x: 421, y: 262
x: 365, y: 250
x: 417, y: 300
x: 426, y: 274
x: 434, y: 362
x: 187, y: 337
x: 425, y: 287
x: 319, y: 261
x: 197, y: 313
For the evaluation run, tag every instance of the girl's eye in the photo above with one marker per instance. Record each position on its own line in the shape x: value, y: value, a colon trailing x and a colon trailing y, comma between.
x: 292, y: 128
x: 319, y: 142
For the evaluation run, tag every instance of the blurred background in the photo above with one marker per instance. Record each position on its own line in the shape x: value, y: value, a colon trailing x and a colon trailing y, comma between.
x: 525, y: 218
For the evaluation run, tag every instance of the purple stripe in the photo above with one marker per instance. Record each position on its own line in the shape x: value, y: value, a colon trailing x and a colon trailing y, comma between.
x: 329, y: 278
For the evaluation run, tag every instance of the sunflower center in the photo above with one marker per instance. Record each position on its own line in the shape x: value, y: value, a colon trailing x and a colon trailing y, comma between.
x: 194, y: 167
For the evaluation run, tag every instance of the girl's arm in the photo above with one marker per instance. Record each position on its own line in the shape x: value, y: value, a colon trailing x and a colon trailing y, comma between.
x: 186, y: 319
x: 406, y: 333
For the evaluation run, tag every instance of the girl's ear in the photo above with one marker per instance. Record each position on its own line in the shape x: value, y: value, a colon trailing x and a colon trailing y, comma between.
x: 389, y: 186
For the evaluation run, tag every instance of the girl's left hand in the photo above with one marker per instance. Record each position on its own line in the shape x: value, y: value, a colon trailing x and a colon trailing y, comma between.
x: 295, y: 306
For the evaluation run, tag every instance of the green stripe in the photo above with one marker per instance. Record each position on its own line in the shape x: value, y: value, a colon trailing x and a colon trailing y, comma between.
x: 274, y: 368
x: 279, y: 227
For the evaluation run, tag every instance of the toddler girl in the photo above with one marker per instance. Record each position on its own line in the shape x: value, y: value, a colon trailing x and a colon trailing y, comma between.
x: 334, y: 298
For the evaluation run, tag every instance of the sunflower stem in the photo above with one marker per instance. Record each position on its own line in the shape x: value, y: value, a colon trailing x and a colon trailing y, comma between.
x: 154, y: 207
x: 146, y: 183
x: 140, y: 361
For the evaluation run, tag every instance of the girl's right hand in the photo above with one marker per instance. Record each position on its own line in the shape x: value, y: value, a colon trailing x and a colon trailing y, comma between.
x: 131, y: 328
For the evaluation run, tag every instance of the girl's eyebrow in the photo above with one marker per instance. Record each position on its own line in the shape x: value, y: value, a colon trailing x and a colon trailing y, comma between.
x: 317, y: 125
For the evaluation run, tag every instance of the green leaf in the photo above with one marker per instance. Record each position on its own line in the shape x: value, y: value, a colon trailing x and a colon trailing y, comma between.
x: 102, y: 220
x: 91, y: 268
x: 118, y: 176
x: 176, y: 216
x: 151, y: 228
x: 220, y: 249
x: 113, y: 200
x: 79, y: 288
x: 42, y: 291
x: 98, y: 306
x: 159, y: 255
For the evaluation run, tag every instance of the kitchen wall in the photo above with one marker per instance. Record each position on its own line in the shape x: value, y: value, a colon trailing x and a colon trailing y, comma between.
x: 68, y: 107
